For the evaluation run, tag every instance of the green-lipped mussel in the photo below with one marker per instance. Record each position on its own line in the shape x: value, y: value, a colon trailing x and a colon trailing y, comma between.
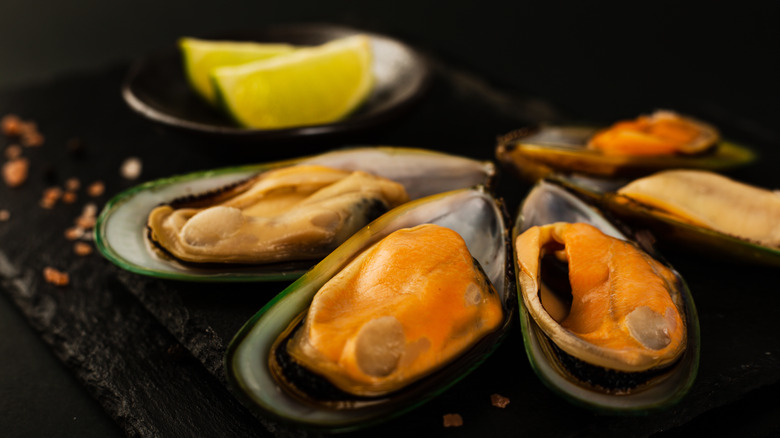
x: 293, y: 213
x: 694, y: 210
x: 358, y: 185
x: 605, y: 323
x: 372, y: 331
x: 627, y: 149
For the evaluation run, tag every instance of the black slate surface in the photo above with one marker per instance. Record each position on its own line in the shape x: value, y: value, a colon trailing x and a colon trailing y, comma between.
x: 150, y: 351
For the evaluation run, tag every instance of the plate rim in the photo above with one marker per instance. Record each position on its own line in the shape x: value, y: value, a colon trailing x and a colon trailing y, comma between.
x: 423, y: 79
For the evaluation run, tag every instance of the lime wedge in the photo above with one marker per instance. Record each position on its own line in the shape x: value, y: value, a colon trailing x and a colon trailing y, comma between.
x: 202, y: 56
x: 306, y: 87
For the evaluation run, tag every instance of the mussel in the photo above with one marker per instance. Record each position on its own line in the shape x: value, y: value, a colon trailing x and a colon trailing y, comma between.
x: 121, y: 229
x: 400, y: 310
x: 606, y: 323
x: 629, y: 149
x: 293, y: 361
x: 711, y: 201
x: 293, y: 213
x: 695, y: 211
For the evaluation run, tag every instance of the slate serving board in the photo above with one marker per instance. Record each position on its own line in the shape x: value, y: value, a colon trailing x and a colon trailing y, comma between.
x: 150, y: 351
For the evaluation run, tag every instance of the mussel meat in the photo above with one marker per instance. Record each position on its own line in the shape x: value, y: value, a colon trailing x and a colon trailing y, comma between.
x: 661, y: 133
x: 399, y: 311
x: 624, y: 310
x: 293, y: 213
x: 712, y: 201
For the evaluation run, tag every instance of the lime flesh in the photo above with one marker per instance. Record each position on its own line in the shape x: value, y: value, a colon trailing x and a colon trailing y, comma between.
x: 203, y: 56
x: 308, y: 86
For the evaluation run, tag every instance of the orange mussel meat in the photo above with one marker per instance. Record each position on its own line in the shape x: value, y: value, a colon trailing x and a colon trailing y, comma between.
x: 399, y: 311
x: 661, y: 133
x: 624, y: 312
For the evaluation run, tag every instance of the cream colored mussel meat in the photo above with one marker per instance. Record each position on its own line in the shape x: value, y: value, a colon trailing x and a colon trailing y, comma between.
x: 293, y: 213
x: 712, y: 201
x: 402, y: 309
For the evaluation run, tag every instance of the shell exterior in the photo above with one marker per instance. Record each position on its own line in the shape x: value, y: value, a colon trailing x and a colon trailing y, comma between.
x: 472, y: 213
x: 120, y: 231
x: 550, y: 203
x: 534, y: 153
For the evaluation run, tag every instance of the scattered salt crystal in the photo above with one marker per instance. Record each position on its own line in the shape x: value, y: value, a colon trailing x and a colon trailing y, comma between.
x: 56, y: 277
x: 96, y: 188
x: 72, y: 184
x: 11, y: 125
x: 453, y: 420
x: 87, y: 219
x: 50, y: 197
x: 15, y: 172
x: 89, y: 210
x: 82, y: 249
x: 131, y: 168
x: 13, y: 151
x: 499, y: 401
x: 5, y: 215
x: 32, y: 139
x: 53, y: 193
x: 74, y: 233
x: 85, y: 222
x: 69, y: 197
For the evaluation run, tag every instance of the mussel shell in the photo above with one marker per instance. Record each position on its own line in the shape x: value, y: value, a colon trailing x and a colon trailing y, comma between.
x: 120, y: 230
x: 474, y: 214
x: 668, y: 230
x: 547, y: 203
x: 533, y: 153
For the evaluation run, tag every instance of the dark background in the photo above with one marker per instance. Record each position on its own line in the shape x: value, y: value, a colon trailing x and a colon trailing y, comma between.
x: 594, y: 62
x: 599, y: 60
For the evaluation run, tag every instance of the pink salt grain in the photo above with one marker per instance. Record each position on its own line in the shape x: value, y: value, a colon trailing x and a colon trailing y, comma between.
x: 96, y: 189
x: 55, y: 277
x: 32, y: 139
x: 5, y: 215
x: 11, y: 125
x: 74, y: 233
x: 13, y: 151
x: 131, y: 168
x: 85, y: 222
x: 69, y: 197
x: 15, y: 172
x: 72, y: 184
x: 82, y: 249
x: 453, y: 420
x: 50, y: 197
x: 499, y: 401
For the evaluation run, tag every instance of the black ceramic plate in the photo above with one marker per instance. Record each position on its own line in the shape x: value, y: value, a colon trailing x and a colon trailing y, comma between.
x: 156, y: 86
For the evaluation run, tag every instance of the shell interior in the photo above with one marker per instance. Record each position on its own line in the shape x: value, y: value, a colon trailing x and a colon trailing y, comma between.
x: 473, y: 214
